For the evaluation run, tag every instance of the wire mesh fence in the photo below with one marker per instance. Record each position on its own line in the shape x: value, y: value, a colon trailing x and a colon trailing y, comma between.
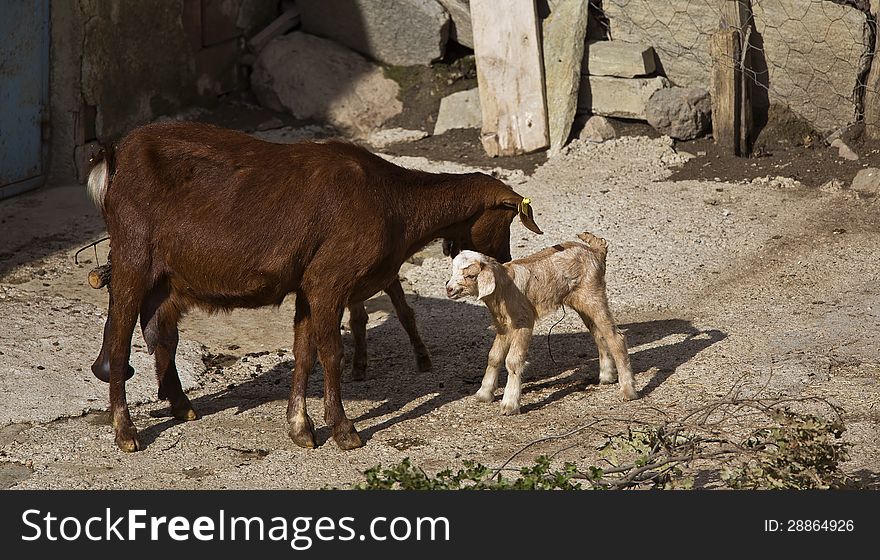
x: 809, y: 56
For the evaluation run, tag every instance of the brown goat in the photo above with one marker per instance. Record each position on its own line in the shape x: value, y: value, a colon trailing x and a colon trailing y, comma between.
x: 200, y: 216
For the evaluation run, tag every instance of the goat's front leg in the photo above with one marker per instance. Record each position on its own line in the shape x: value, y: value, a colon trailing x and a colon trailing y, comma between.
x: 515, y: 364
x: 490, y: 379
x: 325, y: 329
x: 301, y: 429
x: 407, y: 318
x: 357, y: 322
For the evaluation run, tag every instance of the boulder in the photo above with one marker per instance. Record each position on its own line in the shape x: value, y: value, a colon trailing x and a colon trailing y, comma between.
x: 459, y: 110
x: 461, y: 30
x: 867, y: 181
x: 313, y: 78
x: 618, y: 97
x: 564, y: 31
x: 617, y: 58
x: 843, y: 150
x: 400, y: 33
x: 597, y: 129
x: 681, y: 113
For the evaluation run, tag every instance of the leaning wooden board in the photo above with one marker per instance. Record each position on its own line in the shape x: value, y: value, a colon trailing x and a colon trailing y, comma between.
x: 510, y: 76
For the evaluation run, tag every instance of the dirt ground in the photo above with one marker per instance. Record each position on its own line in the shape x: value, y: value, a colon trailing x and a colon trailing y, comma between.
x: 770, y: 282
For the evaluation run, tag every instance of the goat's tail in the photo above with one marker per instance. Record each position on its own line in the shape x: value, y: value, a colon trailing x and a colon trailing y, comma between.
x: 99, y: 176
x: 596, y: 243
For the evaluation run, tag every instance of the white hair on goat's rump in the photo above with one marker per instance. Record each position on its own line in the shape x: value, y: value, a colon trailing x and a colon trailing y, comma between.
x: 99, y: 179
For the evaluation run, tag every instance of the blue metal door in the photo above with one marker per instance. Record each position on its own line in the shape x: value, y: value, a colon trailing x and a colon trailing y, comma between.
x: 24, y: 93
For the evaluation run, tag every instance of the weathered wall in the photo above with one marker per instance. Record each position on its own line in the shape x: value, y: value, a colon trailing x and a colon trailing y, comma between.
x: 137, y: 62
x: 117, y: 64
x: 812, y: 48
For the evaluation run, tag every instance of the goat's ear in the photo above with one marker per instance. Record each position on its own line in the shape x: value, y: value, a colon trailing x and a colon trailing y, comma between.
x: 485, y: 281
x: 448, y: 248
x: 523, y: 209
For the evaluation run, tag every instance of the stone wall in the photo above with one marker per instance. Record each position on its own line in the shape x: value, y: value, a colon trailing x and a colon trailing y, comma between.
x: 812, y: 48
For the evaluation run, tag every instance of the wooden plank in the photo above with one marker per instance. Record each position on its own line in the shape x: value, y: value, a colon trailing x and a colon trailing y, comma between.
x: 564, y: 33
x: 510, y: 77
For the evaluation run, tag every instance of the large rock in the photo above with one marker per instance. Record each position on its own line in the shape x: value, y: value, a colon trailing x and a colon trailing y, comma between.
x: 314, y: 78
x: 461, y: 31
x: 597, y: 129
x: 624, y: 98
x: 564, y: 31
x: 459, y: 110
x: 681, y: 113
x: 812, y: 49
x: 397, y: 32
x: 867, y: 181
x: 617, y: 58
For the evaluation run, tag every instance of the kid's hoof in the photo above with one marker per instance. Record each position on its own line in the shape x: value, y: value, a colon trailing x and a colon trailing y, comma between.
x: 348, y: 439
x: 126, y: 440
x: 303, y: 433
x: 607, y: 378
x: 629, y: 394
x: 509, y: 409
x: 423, y: 363
x: 484, y: 395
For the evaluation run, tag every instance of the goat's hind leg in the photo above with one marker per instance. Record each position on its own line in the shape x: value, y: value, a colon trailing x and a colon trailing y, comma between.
x: 101, y: 367
x: 159, y: 325
x: 601, y: 323
x: 357, y: 322
x: 407, y: 318
x: 325, y: 332
x: 607, y: 369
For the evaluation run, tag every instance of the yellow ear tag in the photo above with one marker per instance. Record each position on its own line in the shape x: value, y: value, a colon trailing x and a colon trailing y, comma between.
x: 524, y: 206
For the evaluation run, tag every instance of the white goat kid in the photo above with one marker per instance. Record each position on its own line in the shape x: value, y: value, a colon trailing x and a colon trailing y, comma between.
x: 520, y: 292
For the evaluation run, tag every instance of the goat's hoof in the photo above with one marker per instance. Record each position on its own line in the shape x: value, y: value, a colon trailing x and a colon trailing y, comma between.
x: 607, y: 378
x: 629, y: 394
x: 184, y: 411
x: 359, y: 373
x: 126, y: 439
x: 303, y: 433
x: 509, y: 409
x: 423, y: 363
x: 484, y: 395
x: 347, y: 438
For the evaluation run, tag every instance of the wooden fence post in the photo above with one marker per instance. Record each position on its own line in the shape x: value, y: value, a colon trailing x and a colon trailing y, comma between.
x: 732, y: 77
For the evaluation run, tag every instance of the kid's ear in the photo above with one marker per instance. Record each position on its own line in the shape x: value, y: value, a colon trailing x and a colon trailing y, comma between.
x: 523, y: 209
x: 485, y: 282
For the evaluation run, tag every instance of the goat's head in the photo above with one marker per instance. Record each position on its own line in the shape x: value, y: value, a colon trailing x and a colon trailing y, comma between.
x: 472, y: 275
x: 489, y: 231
